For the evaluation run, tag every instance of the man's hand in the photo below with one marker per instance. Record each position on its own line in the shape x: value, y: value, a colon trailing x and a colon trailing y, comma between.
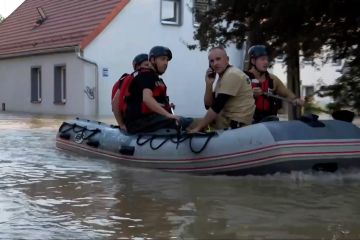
x: 175, y: 117
x: 123, y: 127
x: 257, y: 91
x: 298, y: 102
x: 193, y: 130
x: 172, y: 105
x: 210, y: 76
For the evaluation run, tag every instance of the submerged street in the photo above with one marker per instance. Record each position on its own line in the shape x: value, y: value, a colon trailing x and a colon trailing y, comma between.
x: 47, y: 193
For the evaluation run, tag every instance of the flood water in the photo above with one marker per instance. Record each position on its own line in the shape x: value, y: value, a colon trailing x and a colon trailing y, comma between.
x: 46, y: 193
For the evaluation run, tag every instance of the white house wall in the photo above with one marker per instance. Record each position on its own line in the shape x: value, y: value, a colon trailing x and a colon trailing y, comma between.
x: 322, y: 74
x: 135, y: 30
x: 15, y: 84
x: 89, y: 89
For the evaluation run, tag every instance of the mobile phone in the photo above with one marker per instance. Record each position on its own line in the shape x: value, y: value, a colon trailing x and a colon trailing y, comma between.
x: 213, y: 73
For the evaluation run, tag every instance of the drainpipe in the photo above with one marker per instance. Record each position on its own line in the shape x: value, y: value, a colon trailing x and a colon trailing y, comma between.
x: 79, y: 56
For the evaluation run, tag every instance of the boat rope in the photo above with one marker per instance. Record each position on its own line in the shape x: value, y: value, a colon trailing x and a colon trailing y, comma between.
x: 209, y: 136
x: 176, y: 139
x: 78, y: 129
x: 70, y: 127
x: 144, y: 142
x: 158, y: 146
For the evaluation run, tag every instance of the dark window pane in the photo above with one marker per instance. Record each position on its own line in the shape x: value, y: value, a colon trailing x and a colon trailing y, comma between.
x: 35, y: 84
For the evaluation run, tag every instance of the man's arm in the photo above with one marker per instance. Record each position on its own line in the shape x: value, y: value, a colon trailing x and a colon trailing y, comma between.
x: 115, y: 108
x: 282, y: 91
x: 151, y: 103
x: 212, y: 112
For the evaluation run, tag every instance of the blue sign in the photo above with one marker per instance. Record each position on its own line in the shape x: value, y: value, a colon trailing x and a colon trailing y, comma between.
x: 105, y: 72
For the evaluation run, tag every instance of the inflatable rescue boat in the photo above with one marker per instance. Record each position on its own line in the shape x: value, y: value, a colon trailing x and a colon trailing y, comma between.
x: 263, y: 148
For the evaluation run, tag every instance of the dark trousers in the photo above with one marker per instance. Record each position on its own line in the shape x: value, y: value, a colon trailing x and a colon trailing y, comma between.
x: 235, y: 124
x: 264, y: 116
x: 153, y: 122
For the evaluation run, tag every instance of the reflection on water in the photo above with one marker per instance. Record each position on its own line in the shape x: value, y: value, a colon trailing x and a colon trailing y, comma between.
x: 46, y: 193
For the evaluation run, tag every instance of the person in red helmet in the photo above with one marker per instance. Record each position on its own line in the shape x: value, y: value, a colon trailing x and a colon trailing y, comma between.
x: 148, y: 107
x: 265, y: 85
x: 140, y: 61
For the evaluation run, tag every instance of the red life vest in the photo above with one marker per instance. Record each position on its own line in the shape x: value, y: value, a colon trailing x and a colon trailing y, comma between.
x: 262, y: 102
x: 117, y: 85
x: 124, y: 90
x: 159, y: 93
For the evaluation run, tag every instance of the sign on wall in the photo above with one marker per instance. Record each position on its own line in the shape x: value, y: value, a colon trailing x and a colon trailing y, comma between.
x: 105, y: 72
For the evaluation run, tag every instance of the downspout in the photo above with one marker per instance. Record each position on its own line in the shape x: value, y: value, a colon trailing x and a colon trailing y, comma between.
x: 79, y: 56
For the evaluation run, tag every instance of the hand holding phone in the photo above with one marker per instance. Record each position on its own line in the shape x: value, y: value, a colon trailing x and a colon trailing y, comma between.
x: 211, y: 73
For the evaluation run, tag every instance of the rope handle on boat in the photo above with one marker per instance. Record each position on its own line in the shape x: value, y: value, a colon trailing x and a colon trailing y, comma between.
x: 66, y: 124
x: 176, y: 140
x: 81, y: 130
x: 203, y: 147
x: 144, y: 142
x: 151, y: 139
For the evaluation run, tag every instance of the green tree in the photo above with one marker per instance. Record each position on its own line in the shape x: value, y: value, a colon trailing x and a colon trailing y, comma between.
x: 1, y: 18
x: 289, y: 27
x: 346, y: 90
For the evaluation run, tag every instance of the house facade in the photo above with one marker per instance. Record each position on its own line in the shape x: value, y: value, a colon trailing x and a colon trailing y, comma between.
x: 312, y: 77
x: 63, y: 56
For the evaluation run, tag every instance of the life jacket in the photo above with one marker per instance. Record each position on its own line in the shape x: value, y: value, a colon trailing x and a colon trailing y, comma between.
x: 159, y: 93
x: 262, y: 102
x: 117, y: 85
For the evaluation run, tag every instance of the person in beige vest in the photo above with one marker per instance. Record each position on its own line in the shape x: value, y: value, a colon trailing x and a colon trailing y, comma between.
x: 231, y: 103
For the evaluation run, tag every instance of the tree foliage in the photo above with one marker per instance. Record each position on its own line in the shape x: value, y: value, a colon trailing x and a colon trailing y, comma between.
x: 346, y: 90
x: 288, y: 27
x: 1, y: 18
x: 310, y: 24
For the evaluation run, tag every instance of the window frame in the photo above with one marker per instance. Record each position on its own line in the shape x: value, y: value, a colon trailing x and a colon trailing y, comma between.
x: 210, y: 4
x: 177, y: 13
x: 60, y: 97
x: 307, y: 89
x: 38, y: 98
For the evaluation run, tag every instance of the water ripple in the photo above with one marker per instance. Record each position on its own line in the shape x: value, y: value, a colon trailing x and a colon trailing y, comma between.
x: 46, y: 193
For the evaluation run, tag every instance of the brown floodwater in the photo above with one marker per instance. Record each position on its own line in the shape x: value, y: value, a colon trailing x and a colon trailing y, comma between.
x: 47, y: 193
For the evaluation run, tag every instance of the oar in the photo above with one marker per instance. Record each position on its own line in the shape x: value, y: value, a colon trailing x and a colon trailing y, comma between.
x: 280, y: 98
x: 178, y: 126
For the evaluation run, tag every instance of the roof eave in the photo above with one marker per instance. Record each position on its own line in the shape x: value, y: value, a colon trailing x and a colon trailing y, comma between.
x: 65, y: 49
x: 90, y: 37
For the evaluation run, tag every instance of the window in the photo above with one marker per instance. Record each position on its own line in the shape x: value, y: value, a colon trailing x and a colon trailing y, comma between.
x: 200, y: 7
x: 336, y: 62
x: 35, y: 84
x: 170, y: 11
x: 60, y: 85
x: 308, y: 90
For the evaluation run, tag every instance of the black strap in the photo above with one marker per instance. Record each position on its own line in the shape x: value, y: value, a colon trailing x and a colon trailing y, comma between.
x: 235, y: 124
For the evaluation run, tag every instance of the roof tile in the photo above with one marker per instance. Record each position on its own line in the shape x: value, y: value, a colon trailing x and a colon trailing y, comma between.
x: 69, y: 23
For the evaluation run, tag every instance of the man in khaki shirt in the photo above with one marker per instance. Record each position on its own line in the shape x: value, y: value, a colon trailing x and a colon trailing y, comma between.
x: 232, y: 102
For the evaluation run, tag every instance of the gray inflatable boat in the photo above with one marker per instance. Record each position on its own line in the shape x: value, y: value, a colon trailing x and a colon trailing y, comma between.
x: 263, y: 148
